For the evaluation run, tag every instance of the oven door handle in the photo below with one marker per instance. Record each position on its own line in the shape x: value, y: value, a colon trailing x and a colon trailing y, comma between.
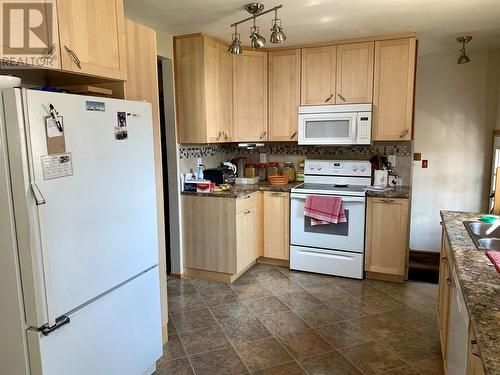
x: 344, y: 199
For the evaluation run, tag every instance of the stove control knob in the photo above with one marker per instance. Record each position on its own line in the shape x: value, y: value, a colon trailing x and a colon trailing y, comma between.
x: 354, y: 168
x: 311, y: 167
x: 362, y: 168
x: 319, y: 167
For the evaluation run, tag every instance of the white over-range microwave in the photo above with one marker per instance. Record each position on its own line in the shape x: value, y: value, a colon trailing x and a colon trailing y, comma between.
x: 337, y: 124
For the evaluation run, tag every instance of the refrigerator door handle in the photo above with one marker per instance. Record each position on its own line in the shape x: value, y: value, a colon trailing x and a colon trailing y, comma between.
x: 39, y: 199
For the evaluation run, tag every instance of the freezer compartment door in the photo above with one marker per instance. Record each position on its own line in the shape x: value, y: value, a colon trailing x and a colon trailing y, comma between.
x: 98, y: 226
x: 120, y: 333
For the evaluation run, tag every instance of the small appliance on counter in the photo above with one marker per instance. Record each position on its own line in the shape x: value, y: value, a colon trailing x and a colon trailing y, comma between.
x: 224, y: 174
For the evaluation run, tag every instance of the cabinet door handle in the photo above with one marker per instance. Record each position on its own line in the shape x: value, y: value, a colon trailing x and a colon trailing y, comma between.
x: 387, y: 200
x: 225, y: 136
x: 274, y: 194
x: 448, y: 281
x: 293, y: 135
x: 220, y: 135
x: 403, y: 133
x: 341, y: 97
x: 473, y: 348
x: 263, y: 135
x: 246, y: 197
x: 329, y: 98
x: 445, y: 261
x: 246, y: 212
x: 73, y: 56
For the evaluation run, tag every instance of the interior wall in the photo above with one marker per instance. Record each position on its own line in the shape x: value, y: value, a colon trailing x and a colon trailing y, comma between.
x: 456, y: 110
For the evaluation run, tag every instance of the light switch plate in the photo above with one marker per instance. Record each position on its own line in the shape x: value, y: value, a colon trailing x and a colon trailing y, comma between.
x: 392, y: 159
x: 199, y: 161
x: 263, y: 157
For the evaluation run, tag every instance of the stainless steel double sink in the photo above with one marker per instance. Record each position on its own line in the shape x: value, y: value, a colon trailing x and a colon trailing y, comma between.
x: 477, y: 231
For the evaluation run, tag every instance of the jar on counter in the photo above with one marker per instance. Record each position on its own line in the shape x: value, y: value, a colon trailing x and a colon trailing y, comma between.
x: 289, y: 171
x: 261, y: 171
x: 273, y: 169
x: 300, y: 170
x: 250, y: 170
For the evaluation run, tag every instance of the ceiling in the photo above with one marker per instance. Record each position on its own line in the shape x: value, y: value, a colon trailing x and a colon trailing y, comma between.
x: 437, y: 22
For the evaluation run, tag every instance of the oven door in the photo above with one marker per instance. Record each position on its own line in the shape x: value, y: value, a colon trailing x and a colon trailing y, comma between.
x: 348, y: 236
x: 327, y: 128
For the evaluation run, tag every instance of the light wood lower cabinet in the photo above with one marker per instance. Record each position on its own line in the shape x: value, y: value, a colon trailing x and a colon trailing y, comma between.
x: 444, y: 294
x: 276, y: 225
x: 221, y: 235
x: 386, y: 238
x: 446, y: 271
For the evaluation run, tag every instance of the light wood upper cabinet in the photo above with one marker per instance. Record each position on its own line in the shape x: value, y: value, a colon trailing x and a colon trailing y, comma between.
x: 225, y: 93
x: 318, y: 75
x: 393, y: 89
x: 284, y: 94
x: 354, y: 73
x: 276, y: 225
x: 386, y: 237
x: 203, y: 81
x: 92, y: 37
x: 250, y: 96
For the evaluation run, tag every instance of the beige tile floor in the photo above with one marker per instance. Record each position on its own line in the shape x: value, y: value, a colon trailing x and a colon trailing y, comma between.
x: 276, y: 321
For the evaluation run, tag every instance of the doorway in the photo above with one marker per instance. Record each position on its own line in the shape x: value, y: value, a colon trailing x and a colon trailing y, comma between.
x: 495, y: 163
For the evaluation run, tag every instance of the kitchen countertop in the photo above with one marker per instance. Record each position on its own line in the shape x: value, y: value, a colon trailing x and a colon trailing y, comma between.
x: 241, y: 190
x: 480, y: 285
x: 396, y: 192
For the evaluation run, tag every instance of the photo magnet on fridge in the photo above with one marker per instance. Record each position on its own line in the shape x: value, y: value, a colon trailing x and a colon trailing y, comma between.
x: 121, y: 134
x: 54, y: 133
x: 95, y: 106
x: 122, y: 119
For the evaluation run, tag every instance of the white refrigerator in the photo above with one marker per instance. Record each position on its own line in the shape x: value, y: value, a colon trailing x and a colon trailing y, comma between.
x: 79, y: 278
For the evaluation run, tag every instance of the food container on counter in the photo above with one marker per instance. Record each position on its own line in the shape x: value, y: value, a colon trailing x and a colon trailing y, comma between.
x: 300, y: 170
x: 250, y: 170
x: 289, y: 171
x: 273, y: 169
x: 261, y: 171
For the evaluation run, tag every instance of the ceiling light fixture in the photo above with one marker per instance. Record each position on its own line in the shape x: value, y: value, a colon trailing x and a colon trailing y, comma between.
x: 235, y: 46
x: 277, y: 34
x: 257, y: 40
x: 463, y: 58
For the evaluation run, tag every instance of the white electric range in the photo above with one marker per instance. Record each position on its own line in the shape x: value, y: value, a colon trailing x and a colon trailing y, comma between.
x: 333, y: 249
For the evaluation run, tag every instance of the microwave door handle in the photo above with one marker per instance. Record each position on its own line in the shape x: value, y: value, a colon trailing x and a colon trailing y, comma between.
x: 354, y: 137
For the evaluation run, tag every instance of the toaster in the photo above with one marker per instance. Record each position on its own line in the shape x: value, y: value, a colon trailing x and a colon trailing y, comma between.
x: 220, y: 175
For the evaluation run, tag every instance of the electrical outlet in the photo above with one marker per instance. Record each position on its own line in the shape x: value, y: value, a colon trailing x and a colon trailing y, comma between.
x: 199, y: 161
x: 392, y: 159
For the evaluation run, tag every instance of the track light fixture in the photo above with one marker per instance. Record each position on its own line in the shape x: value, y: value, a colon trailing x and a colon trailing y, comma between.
x: 235, y: 46
x: 256, y: 39
x: 463, y: 58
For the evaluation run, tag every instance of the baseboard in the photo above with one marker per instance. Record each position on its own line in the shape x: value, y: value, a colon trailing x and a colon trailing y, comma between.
x: 177, y: 275
x: 274, y: 262
x: 384, y: 277
x: 216, y: 276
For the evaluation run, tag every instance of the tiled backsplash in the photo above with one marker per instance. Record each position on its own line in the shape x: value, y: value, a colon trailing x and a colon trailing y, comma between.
x: 214, y: 154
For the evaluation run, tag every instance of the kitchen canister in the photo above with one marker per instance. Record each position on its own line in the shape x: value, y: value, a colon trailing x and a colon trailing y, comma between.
x: 381, y: 178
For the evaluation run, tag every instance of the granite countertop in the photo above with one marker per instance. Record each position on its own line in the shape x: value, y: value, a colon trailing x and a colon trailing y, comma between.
x: 241, y: 190
x: 396, y: 192
x: 480, y: 285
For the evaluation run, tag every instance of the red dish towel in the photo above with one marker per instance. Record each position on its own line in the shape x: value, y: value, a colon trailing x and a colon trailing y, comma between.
x: 495, y: 258
x: 323, y: 209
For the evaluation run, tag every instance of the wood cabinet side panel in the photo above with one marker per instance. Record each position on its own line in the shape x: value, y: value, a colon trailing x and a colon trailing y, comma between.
x: 209, y: 232
x: 190, y: 90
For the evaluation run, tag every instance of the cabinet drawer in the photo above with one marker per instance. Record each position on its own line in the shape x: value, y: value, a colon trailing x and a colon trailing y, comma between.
x: 246, y: 202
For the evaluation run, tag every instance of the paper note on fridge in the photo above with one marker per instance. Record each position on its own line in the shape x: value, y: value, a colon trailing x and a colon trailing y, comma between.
x: 55, y: 166
x: 53, y: 128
